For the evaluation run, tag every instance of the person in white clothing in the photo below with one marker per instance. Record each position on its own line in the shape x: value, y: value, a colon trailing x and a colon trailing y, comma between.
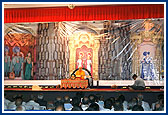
x: 144, y: 104
x: 32, y: 105
x: 85, y: 103
x: 89, y: 62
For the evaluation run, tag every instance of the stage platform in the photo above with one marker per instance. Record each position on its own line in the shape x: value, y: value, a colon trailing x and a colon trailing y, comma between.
x: 95, y: 83
x: 94, y: 89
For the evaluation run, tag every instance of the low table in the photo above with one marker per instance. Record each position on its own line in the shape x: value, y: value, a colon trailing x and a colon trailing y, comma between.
x: 76, y: 83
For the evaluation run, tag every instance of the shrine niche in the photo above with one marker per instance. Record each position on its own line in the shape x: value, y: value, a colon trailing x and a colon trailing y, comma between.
x: 84, y: 52
x: 148, y: 45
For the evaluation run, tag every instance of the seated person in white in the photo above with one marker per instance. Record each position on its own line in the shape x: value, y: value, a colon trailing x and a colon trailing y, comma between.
x: 144, y: 104
x: 32, y: 105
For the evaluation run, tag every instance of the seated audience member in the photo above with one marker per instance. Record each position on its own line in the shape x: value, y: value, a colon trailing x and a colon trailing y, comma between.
x: 60, y: 108
x: 59, y: 99
x: 121, y: 98
x: 67, y: 104
x: 85, y: 103
x: 40, y: 100
x: 107, y: 105
x: 158, y: 107
x: 118, y: 106
x: 18, y: 102
x: 50, y: 105
x: 20, y: 108
x: 92, y: 98
x: 139, y: 83
x: 11, y: 105
x: 31, y: 104
x: 100, y: 101
x: 137, y: 108
x: 76, y: 103
x: 93, y: 107
x: 131, y: 103
x: 6, y: 101
x: 141, y: 102
x: 160, y: 98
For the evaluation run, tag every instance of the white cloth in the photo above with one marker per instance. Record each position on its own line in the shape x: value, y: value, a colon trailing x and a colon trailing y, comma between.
x: 146, y: 106
x: 68, y: 106
x: 6, y: 101
x: 103, y: 109
x: 12, y: 105
x: 139, y: 82
x: 101, y: 103
x: 32, y: 105
x: 84, y: 107
x: 125, y: 105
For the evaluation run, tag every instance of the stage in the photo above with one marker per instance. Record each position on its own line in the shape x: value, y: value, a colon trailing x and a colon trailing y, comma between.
x: 100, y: 82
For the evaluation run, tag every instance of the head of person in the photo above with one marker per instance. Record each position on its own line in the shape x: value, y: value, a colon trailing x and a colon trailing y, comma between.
x: 137, y: 108
x: 76, y: 101
x: 20, y: 108
x: 112, y: 99
x: 40, y: 96
x: 85, y: 101
x: 140, y: 96
x: 59, y: 99
x: 59, y: 107
x: 29, y: 54
x: 160, y: 97
x: 108, y: 104
x: 134, y: 77
x: 92, y: 98
x: 66, y: 99
x: 18, y: 101
x: 32, y: 97
x: 121, y: 98
x: 18, y: 53
x: 80, y: 68
x: 132, y: 102
x: 100, y: 97
x: 50, y: 105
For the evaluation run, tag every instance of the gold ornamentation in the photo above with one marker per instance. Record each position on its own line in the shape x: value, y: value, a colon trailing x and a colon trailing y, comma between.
x: 77, y: 40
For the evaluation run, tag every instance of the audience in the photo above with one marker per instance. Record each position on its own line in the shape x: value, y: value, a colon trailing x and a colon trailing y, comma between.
x: 81, y: 102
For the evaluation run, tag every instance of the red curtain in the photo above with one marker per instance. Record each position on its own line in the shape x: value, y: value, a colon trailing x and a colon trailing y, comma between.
x: 84, y: 13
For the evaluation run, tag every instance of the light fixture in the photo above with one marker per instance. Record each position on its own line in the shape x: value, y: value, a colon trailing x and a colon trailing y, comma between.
x: 71, y: 6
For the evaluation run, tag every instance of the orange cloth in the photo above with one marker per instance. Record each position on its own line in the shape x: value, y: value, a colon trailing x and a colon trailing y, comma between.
x: 80, y: 73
